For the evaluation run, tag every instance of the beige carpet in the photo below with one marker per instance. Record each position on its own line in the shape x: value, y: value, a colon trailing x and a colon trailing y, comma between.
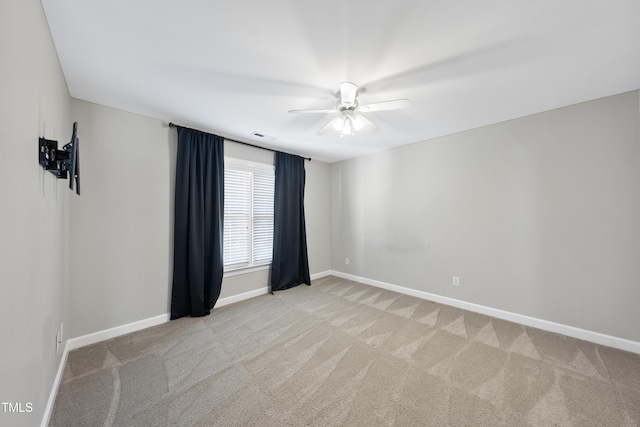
x: 343, y: 353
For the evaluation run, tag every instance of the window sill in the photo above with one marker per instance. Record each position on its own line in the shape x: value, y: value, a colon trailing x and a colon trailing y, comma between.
x: 246, y: 270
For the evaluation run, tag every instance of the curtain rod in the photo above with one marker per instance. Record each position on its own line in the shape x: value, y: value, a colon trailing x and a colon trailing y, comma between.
x: 173, y: 125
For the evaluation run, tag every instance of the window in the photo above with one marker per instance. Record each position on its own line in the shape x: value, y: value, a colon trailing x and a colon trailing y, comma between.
x: 248, y: 213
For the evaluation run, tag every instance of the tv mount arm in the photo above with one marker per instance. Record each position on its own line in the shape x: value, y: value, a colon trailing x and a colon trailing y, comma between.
x: 63, y: 163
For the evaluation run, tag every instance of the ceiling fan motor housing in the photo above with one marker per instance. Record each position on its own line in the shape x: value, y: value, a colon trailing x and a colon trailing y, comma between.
x: 348, y: 94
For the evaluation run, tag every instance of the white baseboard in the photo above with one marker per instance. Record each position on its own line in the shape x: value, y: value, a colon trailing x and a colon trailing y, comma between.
x: 54, y: 388
x: 116, y: 331
x: 582, y: 334
x: 320, y: 275
x: 262, y: 291
x: 241, y: 297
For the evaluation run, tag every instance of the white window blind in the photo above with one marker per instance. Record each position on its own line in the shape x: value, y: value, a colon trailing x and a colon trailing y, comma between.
x: 248, y: 214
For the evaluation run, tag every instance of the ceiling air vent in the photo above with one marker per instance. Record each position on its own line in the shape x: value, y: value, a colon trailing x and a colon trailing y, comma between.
x: 262, y: 135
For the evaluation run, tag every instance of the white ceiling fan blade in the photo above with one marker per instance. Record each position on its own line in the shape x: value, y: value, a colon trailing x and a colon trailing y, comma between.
x: 332, y: 110
x: 396, y: 104
x: 348, y: 93
x: 331, y: 125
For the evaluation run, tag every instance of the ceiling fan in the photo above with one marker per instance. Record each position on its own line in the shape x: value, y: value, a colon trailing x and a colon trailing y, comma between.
x: 350, y: 111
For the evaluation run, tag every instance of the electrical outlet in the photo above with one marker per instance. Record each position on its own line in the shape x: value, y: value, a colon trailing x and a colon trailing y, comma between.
x: 59, y: 335
x: 456, y: 281
x: 346, y: 261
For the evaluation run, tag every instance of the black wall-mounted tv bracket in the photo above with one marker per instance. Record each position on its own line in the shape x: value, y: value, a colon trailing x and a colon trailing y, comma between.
x: 61, y: 163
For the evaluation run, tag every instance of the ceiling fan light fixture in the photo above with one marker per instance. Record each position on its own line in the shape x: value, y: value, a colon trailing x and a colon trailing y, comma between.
x: 338, y: 123
x: 347, y: 128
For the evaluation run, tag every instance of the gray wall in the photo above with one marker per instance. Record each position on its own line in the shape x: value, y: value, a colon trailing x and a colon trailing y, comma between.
x: 538, y: 216
x: 123, y: 223
x: 34, y: 101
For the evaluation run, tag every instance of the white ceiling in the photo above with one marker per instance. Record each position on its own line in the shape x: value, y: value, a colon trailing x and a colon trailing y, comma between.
x: 236, y: 67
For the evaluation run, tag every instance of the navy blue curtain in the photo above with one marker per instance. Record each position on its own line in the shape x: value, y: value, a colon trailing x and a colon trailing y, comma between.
x: 290, y: 264
x: 199, y: 221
